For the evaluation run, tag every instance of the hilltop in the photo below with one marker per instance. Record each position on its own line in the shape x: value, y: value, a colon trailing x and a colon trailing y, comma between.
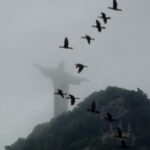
x: 82, y: 130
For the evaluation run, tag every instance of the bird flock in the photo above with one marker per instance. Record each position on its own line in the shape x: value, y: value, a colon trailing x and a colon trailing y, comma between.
x: 80, y: 68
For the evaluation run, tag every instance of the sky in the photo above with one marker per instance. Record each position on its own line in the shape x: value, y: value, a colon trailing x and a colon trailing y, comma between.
x: 31, y: 32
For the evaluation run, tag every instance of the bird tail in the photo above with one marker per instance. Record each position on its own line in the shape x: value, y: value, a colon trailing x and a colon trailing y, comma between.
x: 114, y: 9
x: 92, y: 39
x: 83, y: 37
x: 103, y: 27
x: 108, y: 17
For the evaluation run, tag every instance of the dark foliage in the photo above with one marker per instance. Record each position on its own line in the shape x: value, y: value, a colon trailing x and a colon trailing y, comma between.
x: 82, y: 130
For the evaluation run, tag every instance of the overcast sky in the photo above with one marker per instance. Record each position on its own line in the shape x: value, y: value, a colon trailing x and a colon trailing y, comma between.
x: 31, y: 32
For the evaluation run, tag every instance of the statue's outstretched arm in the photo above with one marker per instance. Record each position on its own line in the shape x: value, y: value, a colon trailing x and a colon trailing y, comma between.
x: 46, y: 71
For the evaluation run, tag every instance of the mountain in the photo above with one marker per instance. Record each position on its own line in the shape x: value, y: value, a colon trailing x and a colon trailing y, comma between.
x: 83, y: 130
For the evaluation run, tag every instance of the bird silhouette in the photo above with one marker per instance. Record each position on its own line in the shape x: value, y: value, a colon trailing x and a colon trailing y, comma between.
x: 98, y: 26
x: 73, y: 98
x: 88, y: 38
x: 109, y: 117
x: 104, y: 17
x: 115, y: 6
x: 60, y: 92
x: 80, y: 67
x: 124, y: 145
x: 66, y: 44
x: 93, y: 108
x: 120, y: 135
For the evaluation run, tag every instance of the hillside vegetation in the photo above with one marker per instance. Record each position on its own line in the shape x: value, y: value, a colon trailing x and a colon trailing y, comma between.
x: 82, y: 130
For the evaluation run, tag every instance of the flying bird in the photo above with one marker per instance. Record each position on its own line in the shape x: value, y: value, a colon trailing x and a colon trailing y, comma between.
x: 120, y: 135
x: 80, y: 67
x: 66, y: 44
x: 73, y: 98
x: 98, y: 26
x: 104, y: 17
x: 124, y: 145
x: 109, y: 117
x: 60, y: 92
x: 88, y: 38
x: 93, y: 108
x: 115, y: 6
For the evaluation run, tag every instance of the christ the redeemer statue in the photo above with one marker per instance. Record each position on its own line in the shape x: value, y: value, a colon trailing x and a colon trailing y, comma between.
x: 61, y: 80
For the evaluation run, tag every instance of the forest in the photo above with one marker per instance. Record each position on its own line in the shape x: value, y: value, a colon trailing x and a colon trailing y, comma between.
x: 83, y: 130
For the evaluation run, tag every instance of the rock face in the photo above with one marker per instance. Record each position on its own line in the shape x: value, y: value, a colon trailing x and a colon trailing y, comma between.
x: 82, y: 130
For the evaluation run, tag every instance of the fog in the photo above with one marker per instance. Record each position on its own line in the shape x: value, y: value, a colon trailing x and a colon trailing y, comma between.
x: 61, y: 80
x: 31, y: 32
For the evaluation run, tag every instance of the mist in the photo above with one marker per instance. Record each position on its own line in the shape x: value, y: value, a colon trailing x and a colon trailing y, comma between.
x: 61, y: 80
x: 32, y: 31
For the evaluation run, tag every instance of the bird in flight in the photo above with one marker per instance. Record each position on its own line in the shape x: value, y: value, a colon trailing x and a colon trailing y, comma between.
x: 80, y: 67
x: 104, y: 17
x: 60, y: 92
x: 98, y: 26
x: 73, y: 98
x: 115, y: 6
x: 93, y: 108
x: 66, y: 44
x: 88, y: 38
x: 120, y: 135
x: 109, y: 117
x: 124, y: 145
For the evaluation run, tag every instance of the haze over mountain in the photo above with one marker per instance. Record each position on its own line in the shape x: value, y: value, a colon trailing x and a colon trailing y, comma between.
x: 82, y: 130
x: 32, y: 30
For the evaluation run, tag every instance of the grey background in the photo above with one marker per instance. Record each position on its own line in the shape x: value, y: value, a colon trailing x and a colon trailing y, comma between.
x: 31, y: 32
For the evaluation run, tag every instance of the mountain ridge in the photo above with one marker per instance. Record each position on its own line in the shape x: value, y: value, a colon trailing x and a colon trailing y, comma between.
x: 80, y: 129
